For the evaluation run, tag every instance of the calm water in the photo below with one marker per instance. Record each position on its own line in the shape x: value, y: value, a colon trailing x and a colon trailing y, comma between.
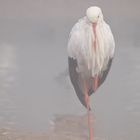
x: 35, y: 87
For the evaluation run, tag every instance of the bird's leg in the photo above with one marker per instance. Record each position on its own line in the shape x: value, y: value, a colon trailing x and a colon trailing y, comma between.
x: 88, y: 109
x: 95, y: 83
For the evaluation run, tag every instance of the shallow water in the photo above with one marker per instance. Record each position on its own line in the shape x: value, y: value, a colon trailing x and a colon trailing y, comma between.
x: 35, y: 92
x: 35, y: 88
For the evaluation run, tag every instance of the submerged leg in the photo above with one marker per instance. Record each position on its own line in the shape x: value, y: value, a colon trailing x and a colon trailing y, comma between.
x: 88, y: 110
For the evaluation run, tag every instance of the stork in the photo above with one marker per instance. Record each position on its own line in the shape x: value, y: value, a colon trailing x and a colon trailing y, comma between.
x: 90, y: 49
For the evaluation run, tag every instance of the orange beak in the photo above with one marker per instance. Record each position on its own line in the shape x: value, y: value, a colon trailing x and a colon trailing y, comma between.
x: 94, y: 31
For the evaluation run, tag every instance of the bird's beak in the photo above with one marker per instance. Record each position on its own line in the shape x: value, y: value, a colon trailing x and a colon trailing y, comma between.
x: 94, y: 24
x: 94, y: 31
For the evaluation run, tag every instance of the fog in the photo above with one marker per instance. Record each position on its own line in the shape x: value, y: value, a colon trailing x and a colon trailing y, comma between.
x: 34, y: 84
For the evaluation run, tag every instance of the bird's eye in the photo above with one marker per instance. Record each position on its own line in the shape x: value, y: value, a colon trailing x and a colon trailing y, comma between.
x: 98, y: 16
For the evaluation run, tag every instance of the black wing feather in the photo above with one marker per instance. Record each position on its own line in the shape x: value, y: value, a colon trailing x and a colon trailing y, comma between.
x: 74, y: 76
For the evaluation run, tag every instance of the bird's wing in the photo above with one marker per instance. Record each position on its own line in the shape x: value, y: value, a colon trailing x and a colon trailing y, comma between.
x: 76, y: 79
x: 111, y: 45
x: 78, y: 39
x: 75, y: 53
x: 110, y: 40
x: 104, y: 74
x: 111, y: 49
x: 73, y: 44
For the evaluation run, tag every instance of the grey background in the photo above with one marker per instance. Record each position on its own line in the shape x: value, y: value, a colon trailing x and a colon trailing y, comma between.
x: 34, y: 86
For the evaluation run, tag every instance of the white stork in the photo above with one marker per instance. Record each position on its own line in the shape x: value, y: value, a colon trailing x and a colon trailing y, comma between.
x: 90, y: 52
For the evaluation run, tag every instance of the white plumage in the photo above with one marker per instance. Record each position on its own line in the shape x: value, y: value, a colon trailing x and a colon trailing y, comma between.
x: 80, y: 46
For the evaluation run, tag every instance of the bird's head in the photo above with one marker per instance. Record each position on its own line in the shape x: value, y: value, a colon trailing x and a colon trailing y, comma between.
x: 94, y: 14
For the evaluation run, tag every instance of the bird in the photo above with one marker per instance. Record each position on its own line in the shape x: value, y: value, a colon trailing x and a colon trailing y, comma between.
x: 91, y: 48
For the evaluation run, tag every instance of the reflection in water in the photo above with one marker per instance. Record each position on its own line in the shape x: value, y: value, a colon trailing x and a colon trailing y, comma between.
x: 7, y: 78
x: 63, y: 127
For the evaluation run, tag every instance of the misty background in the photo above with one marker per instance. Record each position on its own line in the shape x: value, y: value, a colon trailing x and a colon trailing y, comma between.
x: 34, y: 85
